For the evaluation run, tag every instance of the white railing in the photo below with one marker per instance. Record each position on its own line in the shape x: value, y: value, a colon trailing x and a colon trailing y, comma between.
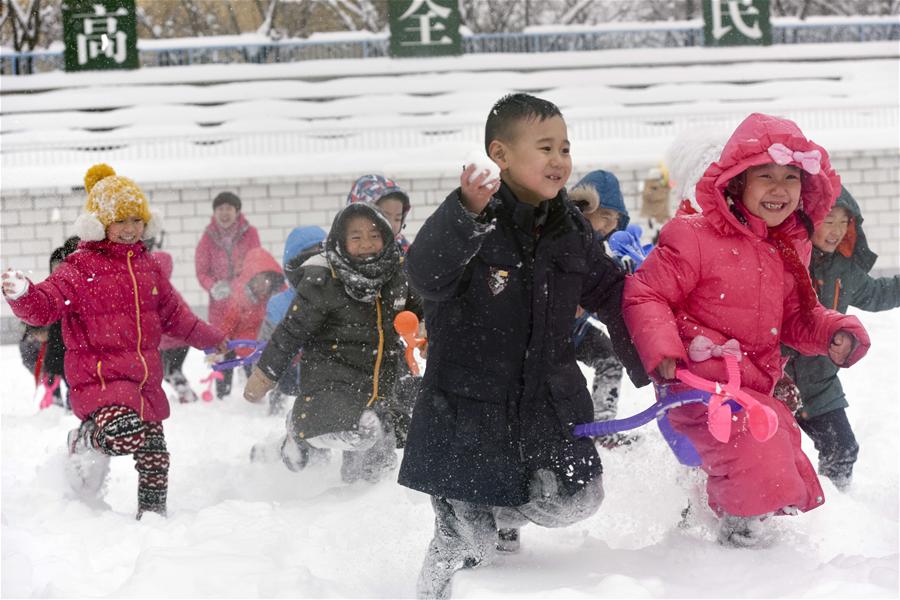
x: 429, y: 133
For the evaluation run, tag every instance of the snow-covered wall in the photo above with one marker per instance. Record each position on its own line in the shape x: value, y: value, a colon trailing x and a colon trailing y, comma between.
x: 35, y: 221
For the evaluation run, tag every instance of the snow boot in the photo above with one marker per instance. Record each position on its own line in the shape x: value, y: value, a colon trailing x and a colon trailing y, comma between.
x: 741, y: 532
x: 617, y: 440
x: 87, y: 467
x: 508, y: 540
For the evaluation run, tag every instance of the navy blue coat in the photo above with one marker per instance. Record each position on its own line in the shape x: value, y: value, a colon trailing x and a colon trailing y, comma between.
x: 502, y: 388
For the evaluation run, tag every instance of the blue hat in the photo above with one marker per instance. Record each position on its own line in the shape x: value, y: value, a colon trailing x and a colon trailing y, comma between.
x: 600, y: 189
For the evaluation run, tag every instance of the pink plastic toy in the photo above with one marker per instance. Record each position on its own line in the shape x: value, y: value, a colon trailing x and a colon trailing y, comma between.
x: 762, y: 420
x: 207, y: 394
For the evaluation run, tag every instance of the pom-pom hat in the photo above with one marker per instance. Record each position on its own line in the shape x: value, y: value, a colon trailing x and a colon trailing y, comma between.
x: 112, y: 198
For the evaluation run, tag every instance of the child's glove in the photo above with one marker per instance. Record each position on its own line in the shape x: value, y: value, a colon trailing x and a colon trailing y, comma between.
x: 788, y: 392
x: 544, y: 485
x: 220, y: 290
x: 257, y: 386
x: 15, y: 285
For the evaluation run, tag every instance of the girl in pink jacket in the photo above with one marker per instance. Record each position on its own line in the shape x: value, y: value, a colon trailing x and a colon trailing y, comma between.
x: 733, y: 278
x: 115, y: 304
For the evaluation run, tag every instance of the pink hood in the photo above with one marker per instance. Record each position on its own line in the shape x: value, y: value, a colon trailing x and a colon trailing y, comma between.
x: 749, y: 147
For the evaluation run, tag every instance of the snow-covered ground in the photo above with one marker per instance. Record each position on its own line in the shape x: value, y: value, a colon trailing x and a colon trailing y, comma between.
x: 237, y: 529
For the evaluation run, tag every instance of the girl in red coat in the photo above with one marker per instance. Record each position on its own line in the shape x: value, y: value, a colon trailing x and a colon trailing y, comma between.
x: 115, y: 304
x: 735, y: 272
x: 260, y: 277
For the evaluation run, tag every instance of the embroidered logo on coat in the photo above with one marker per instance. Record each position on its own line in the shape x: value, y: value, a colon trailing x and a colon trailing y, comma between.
x: 497, y: 280
x: 154, y: 292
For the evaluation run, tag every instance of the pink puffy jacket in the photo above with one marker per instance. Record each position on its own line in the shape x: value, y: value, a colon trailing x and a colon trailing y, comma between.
x: 217, y: 260
x: 714, y: 276
x: 115, y: 304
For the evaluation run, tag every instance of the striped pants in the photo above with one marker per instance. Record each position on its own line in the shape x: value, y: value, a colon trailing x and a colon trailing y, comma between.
x: 120, y: 431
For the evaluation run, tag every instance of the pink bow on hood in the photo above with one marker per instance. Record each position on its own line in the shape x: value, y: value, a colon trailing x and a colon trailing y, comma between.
x: 752, y: 144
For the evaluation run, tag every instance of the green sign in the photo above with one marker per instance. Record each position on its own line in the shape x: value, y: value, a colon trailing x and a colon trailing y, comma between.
x: 736, y: 23
x: 100, y: 34
x: 424, y: 28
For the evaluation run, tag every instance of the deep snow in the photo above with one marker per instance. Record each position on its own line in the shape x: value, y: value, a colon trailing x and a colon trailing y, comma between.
x: 237, y: 529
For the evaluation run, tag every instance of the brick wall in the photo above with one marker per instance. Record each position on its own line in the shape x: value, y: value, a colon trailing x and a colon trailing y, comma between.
x: 33, y: 222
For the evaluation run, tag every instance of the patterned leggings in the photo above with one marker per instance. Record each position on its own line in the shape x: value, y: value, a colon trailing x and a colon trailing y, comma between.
x: 120, y: 431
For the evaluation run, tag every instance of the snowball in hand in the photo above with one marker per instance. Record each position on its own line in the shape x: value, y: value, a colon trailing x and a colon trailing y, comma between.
x: 14, y: 284
x: 482, y: 163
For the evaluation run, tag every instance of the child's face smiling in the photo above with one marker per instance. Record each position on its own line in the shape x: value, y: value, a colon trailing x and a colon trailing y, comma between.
x: 772, y: 192
x: 363, y: 239
x: 829, y: 235
x: 536, y: 164
x: 129, y: 230
x: 226, y: 215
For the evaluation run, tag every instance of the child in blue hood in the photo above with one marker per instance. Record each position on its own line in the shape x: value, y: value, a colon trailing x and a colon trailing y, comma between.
x: 599, y: 197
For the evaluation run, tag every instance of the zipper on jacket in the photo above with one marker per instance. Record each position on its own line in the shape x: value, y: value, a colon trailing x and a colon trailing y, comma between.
x: 378, y: 356
x: 137, y: 311
x: 100, y: 375
x: 837, y: 293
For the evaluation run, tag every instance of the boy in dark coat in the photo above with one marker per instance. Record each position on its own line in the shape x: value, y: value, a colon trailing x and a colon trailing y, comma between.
x: 342, y: 317
x: 502, y: 266
x: 839, y: 269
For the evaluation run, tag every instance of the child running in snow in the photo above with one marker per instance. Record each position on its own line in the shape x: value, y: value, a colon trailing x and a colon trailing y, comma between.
x: 342, y: 318
x: 841, y: 260
x: 218, y: 260
x: 114, y: 304
x: 503, y: 266
x: 393, y: 201
x: 735, y: 272
x: 599, y: 197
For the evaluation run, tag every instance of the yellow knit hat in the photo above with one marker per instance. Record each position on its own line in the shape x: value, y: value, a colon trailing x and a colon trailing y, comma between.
x: 112, y: 197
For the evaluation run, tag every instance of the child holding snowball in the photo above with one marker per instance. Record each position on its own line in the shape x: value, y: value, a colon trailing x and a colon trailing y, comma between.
x: 114, y: 303
x: 502, y: 265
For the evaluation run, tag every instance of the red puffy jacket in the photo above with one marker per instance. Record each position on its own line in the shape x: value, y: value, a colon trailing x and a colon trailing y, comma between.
x: 115, y: 304
x: 711, y: 275
x: 216, y: 259
x: 243, y: 313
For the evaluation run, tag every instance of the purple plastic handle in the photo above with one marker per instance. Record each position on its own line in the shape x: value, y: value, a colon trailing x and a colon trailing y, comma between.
x: 225, y: 365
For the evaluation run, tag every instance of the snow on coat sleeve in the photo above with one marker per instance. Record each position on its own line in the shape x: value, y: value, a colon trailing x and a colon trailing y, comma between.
x: 449, y: 239
x: 306, y: 316
x: 665, y: 279
x: 48, y: 301
x: 178, y: 321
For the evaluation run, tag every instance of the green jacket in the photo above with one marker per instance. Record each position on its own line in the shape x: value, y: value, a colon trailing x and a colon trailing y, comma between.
x: 841, y: 280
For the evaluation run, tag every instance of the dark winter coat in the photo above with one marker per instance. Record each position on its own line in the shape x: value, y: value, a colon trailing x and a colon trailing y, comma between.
x: 502, y: 389
x: 841, y: 280
x: 350, y: 348
x: 115, y: 304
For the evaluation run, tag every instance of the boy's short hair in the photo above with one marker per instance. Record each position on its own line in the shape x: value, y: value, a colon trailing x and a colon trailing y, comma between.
x: 509, y: 110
